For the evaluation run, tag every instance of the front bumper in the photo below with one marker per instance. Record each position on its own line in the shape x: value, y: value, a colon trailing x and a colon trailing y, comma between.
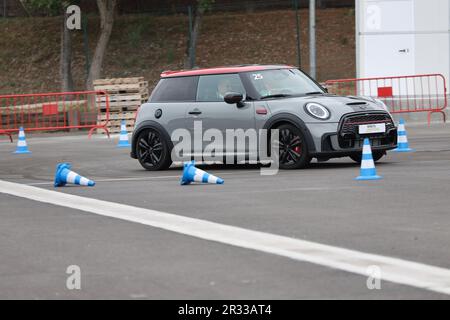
x: 346, y: 140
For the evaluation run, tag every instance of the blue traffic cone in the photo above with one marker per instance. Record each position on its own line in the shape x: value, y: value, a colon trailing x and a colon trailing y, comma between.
x: 64, y: 175
x: 123, y: 139
x: 368, y: 171
x: 402, y: 139
x: 192, y: 174
x: 22, y: 146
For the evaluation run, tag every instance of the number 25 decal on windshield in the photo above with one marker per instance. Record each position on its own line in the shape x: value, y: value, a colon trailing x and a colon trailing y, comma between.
x: 257, y: 76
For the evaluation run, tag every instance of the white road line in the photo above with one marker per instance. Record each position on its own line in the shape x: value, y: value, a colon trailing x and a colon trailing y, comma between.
x: 392, y: 269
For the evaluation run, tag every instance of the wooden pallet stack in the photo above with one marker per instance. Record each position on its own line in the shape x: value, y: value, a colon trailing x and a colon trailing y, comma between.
x: 125, y: 97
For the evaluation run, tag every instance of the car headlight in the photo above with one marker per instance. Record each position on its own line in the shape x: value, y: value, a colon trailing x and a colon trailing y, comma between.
x: 317, y: 111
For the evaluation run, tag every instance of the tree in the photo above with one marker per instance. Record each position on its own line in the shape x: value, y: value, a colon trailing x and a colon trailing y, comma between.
x: 57, y: 7
x: 201, y: 7
x: 107, y: 11
x: 48, y: 7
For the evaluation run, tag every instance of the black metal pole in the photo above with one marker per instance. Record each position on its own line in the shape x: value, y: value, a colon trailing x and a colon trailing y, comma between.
x: 191, y: 47
x: 312, y: 39
x: 86, y: 44
x: 297, y: 18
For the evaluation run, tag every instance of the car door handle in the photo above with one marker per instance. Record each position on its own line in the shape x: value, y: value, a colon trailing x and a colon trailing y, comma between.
x: 195, y: 112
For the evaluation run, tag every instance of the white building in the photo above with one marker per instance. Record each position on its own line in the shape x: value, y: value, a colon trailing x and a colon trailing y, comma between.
x: 402, y: 37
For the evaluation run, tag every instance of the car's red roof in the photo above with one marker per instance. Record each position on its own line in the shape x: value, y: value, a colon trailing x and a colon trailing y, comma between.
x: 221, y: 70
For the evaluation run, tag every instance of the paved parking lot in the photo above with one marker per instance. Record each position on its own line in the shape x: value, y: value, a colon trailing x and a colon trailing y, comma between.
x: 405, y: 215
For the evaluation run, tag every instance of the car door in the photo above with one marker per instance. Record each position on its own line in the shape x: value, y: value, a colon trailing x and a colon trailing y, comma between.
x: 168, y: 106
x: 172, y: 96
x: 213, y: 113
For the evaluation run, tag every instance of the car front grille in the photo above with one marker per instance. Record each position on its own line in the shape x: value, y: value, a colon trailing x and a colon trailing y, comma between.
x: 349, y: 136
x: 349, y: 124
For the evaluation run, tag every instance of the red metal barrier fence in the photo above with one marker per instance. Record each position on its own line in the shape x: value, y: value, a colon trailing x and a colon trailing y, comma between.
x: 401, y: 94
x: 54, y: 112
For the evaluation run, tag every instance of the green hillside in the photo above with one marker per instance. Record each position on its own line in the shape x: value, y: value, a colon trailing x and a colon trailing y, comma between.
x: 145, y: 45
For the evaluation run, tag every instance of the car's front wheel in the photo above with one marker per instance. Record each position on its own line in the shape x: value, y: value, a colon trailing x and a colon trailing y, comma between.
x: 293, y: 149
x: 376, y: 155
x: 152, y: 150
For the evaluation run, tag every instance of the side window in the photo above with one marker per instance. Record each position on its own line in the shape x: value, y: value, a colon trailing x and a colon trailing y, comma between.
x: 215, y: 87
x: 175, y: 89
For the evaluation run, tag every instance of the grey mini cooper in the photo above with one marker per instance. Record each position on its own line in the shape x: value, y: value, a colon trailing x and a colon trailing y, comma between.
x: 312, y: 123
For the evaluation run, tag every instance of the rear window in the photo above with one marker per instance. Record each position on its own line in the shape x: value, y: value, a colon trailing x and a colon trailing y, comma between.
x: 175, y: 89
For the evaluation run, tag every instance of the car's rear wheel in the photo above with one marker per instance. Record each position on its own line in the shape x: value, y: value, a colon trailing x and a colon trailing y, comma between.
x: 376, y: 155
x: 293, y: 148
x: 152, y: 150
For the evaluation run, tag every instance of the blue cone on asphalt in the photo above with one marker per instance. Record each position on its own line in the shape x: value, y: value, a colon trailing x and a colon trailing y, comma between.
x: 22, y: 147
x: 123, y: 139
x: 368, y: 171
x: 192, y: 174
x: 64, y: 175
x: 402, y: 139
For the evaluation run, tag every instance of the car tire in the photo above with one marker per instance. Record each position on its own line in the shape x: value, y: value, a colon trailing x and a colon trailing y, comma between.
x: 152, y: 150
x: 376, y: 155
x: 294, y: 152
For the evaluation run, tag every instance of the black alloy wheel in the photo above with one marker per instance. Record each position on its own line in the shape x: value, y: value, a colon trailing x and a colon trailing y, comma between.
x: 152, y: 150
x: 293, y: 148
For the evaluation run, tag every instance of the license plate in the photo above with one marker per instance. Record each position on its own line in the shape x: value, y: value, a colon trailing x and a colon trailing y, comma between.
x: 372, y: 128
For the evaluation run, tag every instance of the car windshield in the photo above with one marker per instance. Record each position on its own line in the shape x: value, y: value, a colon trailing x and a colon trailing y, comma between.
x: 282, y: 83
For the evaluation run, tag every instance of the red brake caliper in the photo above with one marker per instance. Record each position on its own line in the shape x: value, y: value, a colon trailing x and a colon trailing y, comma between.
x: 297, y: 149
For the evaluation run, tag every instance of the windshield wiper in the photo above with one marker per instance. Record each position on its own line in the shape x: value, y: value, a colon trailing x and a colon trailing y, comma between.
x: 312, y: 93
x: 279, y: 95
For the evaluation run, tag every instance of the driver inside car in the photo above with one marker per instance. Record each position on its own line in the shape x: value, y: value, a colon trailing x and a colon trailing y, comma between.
x: 223, y: 88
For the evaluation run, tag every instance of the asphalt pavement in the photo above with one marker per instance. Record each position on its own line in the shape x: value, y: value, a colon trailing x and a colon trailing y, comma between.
x: 405, y: 215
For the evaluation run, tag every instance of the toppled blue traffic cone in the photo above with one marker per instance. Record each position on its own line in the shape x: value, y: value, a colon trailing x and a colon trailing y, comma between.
x: 402, y: 139
x: 368, y: 171
x: 64, y: 175
x: 22, y: 147
x: 192, y: 174
x: 123, y: 139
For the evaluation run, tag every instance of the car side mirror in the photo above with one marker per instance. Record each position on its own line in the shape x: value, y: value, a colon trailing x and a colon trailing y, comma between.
x: 234, y: 98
